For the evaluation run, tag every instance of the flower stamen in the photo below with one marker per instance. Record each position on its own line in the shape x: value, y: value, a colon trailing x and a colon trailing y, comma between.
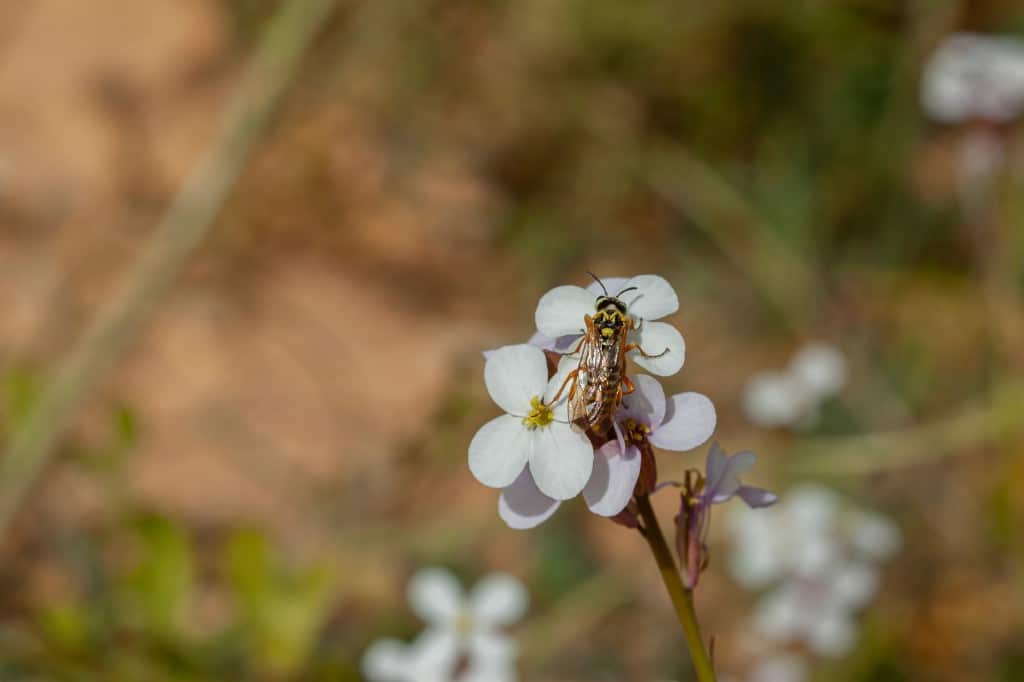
x: 636, y: 432
x: 540, y: 414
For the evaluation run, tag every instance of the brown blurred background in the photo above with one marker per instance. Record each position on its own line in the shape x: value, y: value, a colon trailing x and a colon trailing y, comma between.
x: 247, y: 491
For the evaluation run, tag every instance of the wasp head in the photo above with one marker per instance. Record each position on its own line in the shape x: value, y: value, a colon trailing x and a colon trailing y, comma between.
x: 609, y: 316
x: 605, y: 302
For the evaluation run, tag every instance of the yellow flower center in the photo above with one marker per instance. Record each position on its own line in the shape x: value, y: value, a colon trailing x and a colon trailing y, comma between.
x: 464, y: 624
x: 540, y: 414
x: 636, y: 432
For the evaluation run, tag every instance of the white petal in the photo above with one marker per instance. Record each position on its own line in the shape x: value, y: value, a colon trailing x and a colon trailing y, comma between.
x: 436, y: 655
x: 875, y: 535
x: 562, y: 460
x: 760, y: 554
x: 813, y: 554
x: 781, y: 614
x: 730, y: 480
x: 662, y: 340
x: 492, y: 648
x: 812, y: 508
x: 491, y: 659
x: 820, y: 369
x: 612, y: 285
x: 653, y: 299
x: 689, y: 421
x: 614, y: 477
x: 514, y: 375
x: 498, y: 599
x: 647, y: 403
x: 715, y: 465
x: 499, y: 451
x: 561, y: 311
x: 388, y: 660
x: 563, y: 344
x: 541, y: 341
x: 756, y: 497
x: 854, y: 584
x: 557, y: 383
x: 833, y: 635
x: 435, y: 596
x: 775, y: 399
x: 522, y: 505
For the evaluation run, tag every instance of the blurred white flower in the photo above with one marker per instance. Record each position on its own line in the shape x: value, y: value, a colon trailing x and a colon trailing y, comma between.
x: 820, y: 369
x: 534, y: 432
x: 818, y: 553
x: 460, y: 628
x: 389, y: 660
x: 792, y: 397
x: 776, y: 399
x: 795, y: 537
x: 818, y: 612
x: 973, y: 76
x: 560, y: 313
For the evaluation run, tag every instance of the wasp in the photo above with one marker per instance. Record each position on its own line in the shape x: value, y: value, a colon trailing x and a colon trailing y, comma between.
x: 597, y: 385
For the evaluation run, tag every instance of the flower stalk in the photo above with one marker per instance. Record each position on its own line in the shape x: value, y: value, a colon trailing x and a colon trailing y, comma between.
x: 682, y: 598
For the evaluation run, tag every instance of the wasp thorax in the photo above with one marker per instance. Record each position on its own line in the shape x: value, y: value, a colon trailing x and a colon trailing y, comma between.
x: 540, y: 414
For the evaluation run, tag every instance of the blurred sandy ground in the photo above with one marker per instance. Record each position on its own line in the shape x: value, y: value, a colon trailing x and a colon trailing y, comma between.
x: 318, y: 363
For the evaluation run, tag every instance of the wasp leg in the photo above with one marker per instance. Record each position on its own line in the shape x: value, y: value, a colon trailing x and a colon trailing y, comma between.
x: 636, y: 346
x: 571, y: 376
x: 628, y: 383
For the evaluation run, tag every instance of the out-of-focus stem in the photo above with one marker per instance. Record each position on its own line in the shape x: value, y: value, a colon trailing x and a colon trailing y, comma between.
x: 682, y: 598
x: 187, y: 221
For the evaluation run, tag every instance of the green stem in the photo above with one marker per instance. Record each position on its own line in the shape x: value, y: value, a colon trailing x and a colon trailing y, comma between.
x: 682, y: 598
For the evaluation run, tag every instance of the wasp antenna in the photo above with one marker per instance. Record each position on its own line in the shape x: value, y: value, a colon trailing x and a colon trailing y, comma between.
x: 596, y: 279
x: 625, y: 290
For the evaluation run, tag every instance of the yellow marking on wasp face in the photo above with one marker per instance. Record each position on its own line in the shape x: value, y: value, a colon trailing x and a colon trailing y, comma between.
x: 607, y: 331
x: 540, y: 414
x: 608, y: 316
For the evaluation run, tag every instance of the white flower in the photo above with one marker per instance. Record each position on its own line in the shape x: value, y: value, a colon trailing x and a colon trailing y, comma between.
x: 792, y: 397
x: 775, y: 399
x: 389, y: 660
x: 820, y: 369
x: 560, y: 314
x: 682, y: 422
x: 818, y: 612
x: 459, y: 627
x: 795, y: 537
x: 873, y: 535
x: 974, y: 77
x: 819, y: 553
x: 534, y: 432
